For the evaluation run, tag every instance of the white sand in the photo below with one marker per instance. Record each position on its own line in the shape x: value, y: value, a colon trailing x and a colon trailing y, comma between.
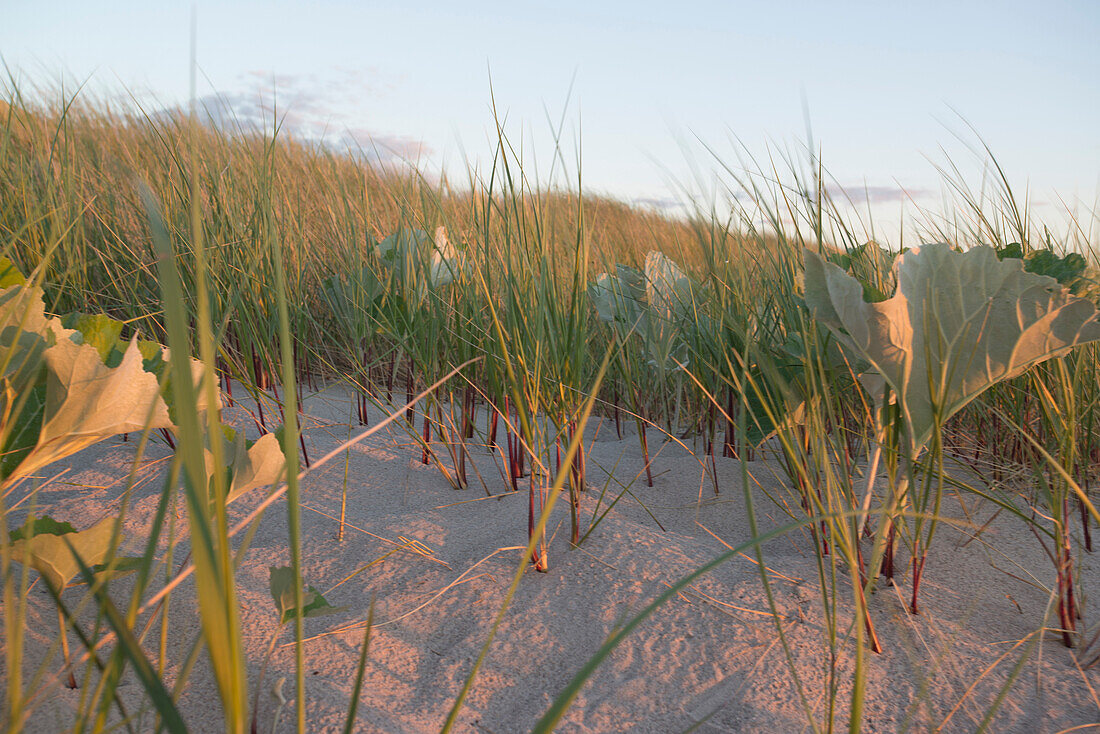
x: 711, y: 652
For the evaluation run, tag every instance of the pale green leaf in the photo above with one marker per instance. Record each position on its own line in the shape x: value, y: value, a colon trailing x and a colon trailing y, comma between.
x: 959, y: 323
x: 44, y: 525
x: 653, y: 302
x: 87, y: 401
x: 668, y: 290
x: 98, y: 330
x: 620, y: 299
x: 25, y: 430
x: 418, y: 260
x: 248, y: 467
x: 669, y: 296
x: 9, y: 274
x: 446, y: 263
x: 51, y: 557
x: 22, y: 307
x: 871, y: 265
x: 282, y: 592
x: 349, y: 297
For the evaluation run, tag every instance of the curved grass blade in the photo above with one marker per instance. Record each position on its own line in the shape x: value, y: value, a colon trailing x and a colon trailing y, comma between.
x: 349, y: 725
x: 170, y: 715
x: 213, y: 566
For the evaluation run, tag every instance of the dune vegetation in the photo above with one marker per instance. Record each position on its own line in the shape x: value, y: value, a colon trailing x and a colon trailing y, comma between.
x: 494, y: 318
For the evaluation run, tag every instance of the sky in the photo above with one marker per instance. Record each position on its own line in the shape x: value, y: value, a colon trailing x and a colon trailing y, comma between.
x: 651, y: 97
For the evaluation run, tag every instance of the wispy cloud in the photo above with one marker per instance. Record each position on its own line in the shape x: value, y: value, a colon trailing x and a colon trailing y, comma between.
x: 308, y: 108
x: 381, y: 147
x: 876, y: 194
x: 660, y: 203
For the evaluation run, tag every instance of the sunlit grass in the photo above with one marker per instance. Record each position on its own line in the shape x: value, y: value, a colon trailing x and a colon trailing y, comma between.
x: 278, y: 263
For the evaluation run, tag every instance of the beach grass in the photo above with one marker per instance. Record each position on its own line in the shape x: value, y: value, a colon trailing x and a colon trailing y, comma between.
x: 273, y: 263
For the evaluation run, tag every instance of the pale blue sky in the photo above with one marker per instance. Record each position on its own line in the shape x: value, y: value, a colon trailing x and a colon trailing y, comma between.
x: 885, y: 82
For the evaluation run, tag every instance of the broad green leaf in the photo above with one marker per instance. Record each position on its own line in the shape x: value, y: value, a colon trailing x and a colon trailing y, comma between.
x: 446, y: 264
x: 784, y: 379
x: 261, y: 464
x: 631, y: 282
x: 118, y: 566
x: 25, y: 335
x: 9, y: 274
x: 620, y: 299
x: 87, y: 401
x: 152, y: 355
x: 669, y: 296
x: 51, y: 556
x: 351, y: 298
x: 44, y: 525
x: 88, y: 398
x: 1071, y: 270
x: 1087, y: 285
x: 419, y: 261
x: 98, y: 330
x: 25, y: 430
x: 230, y: 433
x: 155, y: 361
x: 602, y: 295
x: 872, y: 266
x: 76, y: 386
x: 653, y: 302
x: 668, y: 290
x: 1063, y: 269
x: 84, y: 384
x: 22, y: 307
x: 21, y: 357
x: 959, y: 323
x: 1014, y: 249
x: 282, y: 592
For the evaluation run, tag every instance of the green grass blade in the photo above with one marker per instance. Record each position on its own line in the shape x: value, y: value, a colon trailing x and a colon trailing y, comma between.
x: 218, y: 610
x: 353, y: 706
x: 290, y: 450
x: 150, y: 681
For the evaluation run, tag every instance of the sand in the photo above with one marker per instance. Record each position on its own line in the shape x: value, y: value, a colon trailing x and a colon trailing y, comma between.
x: 711, y: 657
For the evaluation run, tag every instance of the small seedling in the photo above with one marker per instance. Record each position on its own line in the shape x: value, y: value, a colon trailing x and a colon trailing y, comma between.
x: 281, y: 584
